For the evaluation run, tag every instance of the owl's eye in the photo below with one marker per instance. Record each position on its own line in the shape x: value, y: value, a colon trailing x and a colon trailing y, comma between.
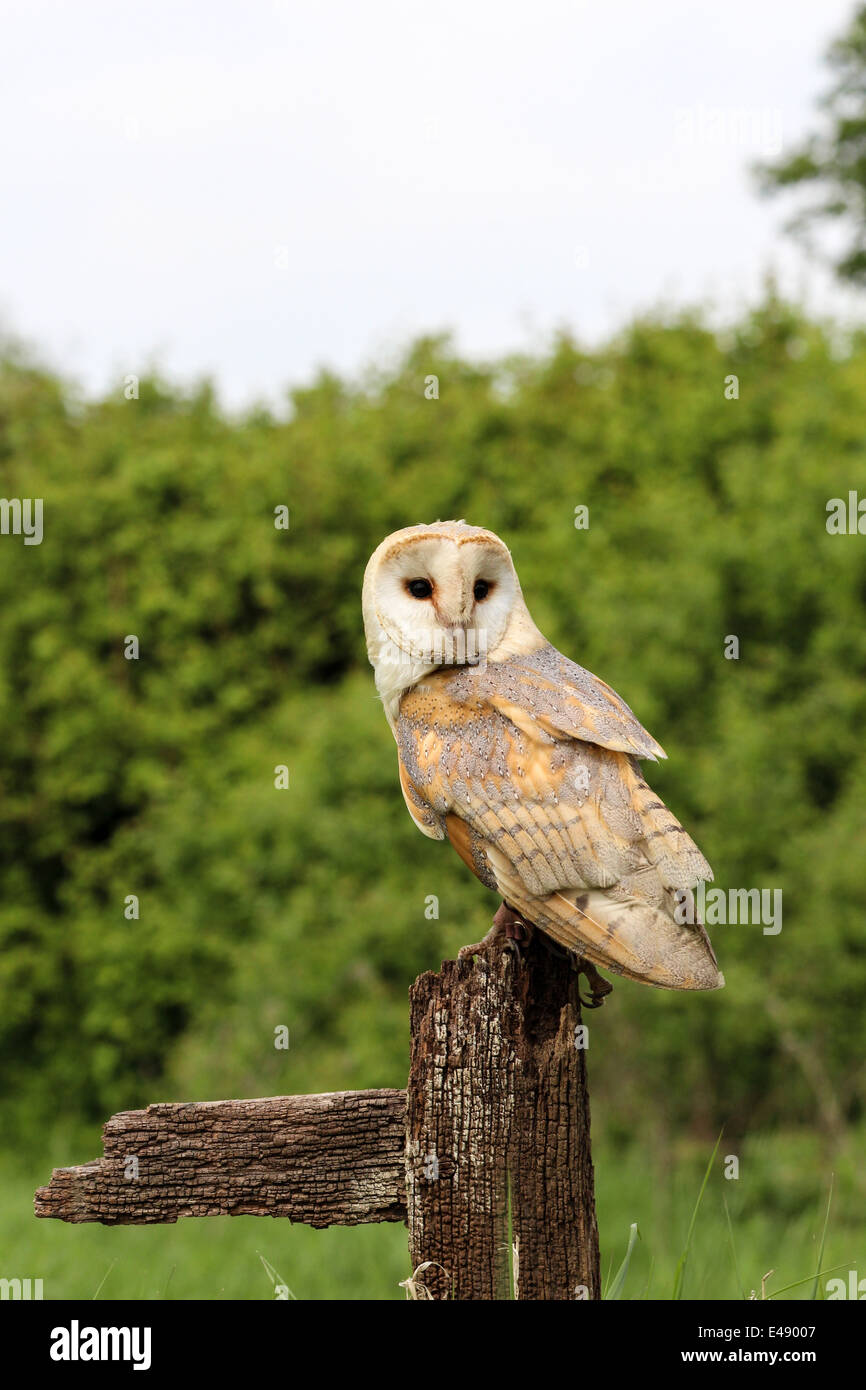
x: 481, y: 590
x: 420, y: 588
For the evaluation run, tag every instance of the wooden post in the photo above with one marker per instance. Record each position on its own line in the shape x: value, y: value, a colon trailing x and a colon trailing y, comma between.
x: 499, y: 1173
x: 486, y: 1155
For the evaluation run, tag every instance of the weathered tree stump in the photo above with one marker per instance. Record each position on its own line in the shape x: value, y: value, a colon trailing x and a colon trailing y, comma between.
x: 499, y: 1174
x: 486, y: 1155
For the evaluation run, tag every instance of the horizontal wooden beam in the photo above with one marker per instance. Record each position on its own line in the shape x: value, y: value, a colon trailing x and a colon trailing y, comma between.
x: 326, y: 1160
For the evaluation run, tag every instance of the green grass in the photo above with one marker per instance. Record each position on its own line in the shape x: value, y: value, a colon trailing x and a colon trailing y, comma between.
x: 770, y: 1218
x: 718, y: 1242
x: 215, y: 1257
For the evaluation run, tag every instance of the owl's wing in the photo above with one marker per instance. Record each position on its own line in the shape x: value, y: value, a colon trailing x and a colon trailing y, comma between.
x: 419, y: 809
x: 565, y: 829
x: 547, y: 690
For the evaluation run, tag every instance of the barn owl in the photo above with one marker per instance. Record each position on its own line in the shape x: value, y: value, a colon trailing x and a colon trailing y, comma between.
x: 528, y: 764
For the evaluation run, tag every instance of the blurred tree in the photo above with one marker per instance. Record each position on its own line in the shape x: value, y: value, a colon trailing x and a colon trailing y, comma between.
x: 833, y: 161
x: 310, y: 907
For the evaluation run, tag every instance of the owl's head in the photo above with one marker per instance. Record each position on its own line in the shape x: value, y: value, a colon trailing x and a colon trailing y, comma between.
x: 440, y: 595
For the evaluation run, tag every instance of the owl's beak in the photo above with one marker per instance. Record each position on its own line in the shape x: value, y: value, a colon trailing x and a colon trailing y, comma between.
x: 451, y: 624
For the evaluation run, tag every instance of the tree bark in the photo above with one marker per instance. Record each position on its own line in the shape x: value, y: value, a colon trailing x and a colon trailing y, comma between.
x: 499, y: 1173
x: 487, y: 1155
x: 335, y: 1159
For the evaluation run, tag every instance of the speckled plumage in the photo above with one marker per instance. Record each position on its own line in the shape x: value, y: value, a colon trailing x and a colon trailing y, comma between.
x: 528, y: 763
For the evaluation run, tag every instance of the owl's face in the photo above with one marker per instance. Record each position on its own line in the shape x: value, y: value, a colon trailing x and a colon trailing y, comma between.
x: 440, y: 595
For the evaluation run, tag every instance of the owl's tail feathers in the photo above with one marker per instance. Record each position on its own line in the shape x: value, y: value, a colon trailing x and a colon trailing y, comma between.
x: 629, y: 936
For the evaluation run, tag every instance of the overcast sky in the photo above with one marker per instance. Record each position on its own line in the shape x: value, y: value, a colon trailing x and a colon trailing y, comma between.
x: 252, y: 190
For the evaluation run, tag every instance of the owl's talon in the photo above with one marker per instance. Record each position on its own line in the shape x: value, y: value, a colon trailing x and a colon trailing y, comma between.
x: 513, y: 926
x: 598, y: 985
x: 477, y: 949
x: 507, y: 933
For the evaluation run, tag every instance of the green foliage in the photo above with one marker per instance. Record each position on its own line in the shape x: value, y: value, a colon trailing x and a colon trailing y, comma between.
x: 772, y: 1219
x: 306, y: 907
x: 832, y: 162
